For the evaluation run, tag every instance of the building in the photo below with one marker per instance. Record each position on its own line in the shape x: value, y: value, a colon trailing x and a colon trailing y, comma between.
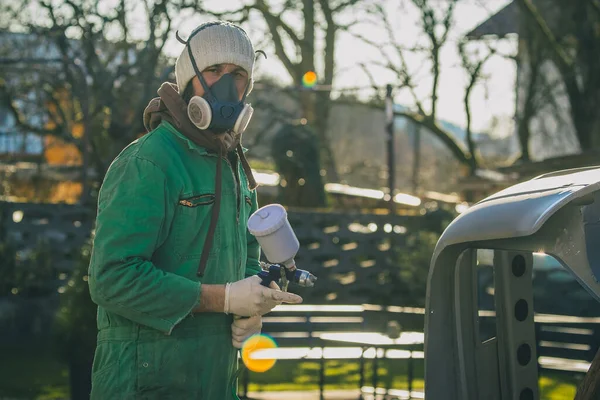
x: 541, y: 93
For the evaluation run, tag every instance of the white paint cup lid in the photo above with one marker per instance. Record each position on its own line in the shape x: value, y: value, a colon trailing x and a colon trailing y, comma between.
x: 267, y: 220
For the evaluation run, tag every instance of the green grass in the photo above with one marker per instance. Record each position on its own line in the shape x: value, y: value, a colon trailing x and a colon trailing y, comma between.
x: 33, y: 372
x: 304, y: 375
x: 339, y: 374
x: 558, y: 386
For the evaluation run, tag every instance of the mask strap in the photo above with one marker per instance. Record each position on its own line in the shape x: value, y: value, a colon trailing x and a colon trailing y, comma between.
x: 192, y: 60
x: 199, y: 74
x: 246, y: 91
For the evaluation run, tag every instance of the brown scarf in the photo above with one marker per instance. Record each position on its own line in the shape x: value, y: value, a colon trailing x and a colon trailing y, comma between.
x: 170, y: 107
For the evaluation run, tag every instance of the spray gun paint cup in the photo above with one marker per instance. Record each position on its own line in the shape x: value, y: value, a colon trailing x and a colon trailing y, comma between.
x: 275, y: 235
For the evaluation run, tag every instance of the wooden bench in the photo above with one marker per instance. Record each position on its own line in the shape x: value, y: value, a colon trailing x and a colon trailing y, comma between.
x: 566, y: 343
x: 306, y: 332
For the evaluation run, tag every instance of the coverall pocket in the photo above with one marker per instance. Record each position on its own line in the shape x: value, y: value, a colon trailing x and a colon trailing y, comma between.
x: 196, y: 363
x: 169, y: 369
x: 190, y: 226
x: 111, y: 372
x: 104, y: 360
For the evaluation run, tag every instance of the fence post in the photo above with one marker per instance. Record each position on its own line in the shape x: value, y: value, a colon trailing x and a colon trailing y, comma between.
x: 375, y: 378
x: 538, y: 328
x: 410, y: 371
x: 322, y: 374
x: 391, y: 150
x: 246, y: 381
x: 361, y: 378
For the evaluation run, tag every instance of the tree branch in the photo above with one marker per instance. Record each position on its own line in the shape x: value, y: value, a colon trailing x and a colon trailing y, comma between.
x: 563, y: 60
x: 121, y: 17
x: 277, y: 19
x: 402, y: 73
x: 474, y: 71
x: 447, y: 21
x: 273, y: 24
x: 459, y: 153
x: 273, y: 21
x: 343, y: 5
x: 308, y: 44
x: 329, y: 41
x: 371, y: 78
x: 229, y: 15
x: 430, y: 23
x: 7, y: 99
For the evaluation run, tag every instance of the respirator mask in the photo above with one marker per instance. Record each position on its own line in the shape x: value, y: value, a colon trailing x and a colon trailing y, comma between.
x: 220, y: 110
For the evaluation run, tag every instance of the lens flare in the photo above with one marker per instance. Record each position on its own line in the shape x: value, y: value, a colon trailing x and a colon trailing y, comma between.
x: 251, y: 346
x: 309, y: 79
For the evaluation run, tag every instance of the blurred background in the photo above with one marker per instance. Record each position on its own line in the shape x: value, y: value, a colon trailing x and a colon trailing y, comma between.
x: 376, y: 123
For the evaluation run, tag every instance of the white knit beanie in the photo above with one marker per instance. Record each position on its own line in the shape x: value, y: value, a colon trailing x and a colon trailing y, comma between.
x: 217, y: 42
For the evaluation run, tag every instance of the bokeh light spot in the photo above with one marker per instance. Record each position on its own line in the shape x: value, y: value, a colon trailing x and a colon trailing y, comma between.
x: 251, y: 345
x: 309, y: 79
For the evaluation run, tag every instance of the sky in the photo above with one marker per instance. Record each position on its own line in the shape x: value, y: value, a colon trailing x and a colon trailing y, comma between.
x: 492, y: 101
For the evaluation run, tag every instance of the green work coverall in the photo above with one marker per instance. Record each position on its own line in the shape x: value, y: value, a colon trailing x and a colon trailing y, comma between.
x: 154, y: 210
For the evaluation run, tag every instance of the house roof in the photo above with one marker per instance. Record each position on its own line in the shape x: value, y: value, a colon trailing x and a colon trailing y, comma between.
x: 504, y: 22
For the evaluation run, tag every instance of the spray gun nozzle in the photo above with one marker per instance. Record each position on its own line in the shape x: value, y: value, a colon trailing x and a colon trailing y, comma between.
x: 276, y: 272
x: 306, y: 279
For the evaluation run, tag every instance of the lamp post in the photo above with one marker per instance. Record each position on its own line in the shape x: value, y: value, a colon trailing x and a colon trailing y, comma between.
x: 389, y: 116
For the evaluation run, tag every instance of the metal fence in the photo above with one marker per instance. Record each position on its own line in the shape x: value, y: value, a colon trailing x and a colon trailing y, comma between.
x: 61, y: 228
x: 349, y: 252
x: 356, y: 256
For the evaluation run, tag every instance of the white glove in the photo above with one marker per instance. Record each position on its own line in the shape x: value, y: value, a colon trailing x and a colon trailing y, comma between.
x: 248, y: 298
x: 243, y: 328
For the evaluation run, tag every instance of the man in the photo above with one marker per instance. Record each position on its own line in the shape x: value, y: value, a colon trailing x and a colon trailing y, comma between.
x: 173, y: 261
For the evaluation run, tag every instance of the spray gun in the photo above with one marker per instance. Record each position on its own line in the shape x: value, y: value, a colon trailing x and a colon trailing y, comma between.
x: 276, y: 237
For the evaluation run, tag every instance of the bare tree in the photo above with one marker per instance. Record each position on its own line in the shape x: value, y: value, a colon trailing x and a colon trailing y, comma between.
x: 319, y: 18
x: 435, y: 22
x: 526, y: 110
x: 94, y: 77
x: 473, y: 67
x: 568, y: 31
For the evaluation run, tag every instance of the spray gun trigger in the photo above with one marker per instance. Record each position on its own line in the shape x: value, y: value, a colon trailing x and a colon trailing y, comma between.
x: 284, y: 280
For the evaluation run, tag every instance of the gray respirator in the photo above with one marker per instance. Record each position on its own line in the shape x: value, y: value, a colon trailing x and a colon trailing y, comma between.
x: 220, y: 110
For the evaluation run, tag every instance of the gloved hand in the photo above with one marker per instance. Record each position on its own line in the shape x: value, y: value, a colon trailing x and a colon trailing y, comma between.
x: 243, y: 328
x: 248, y: 297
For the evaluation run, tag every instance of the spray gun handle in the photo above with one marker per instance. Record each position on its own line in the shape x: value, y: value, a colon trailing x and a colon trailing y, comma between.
x: 266, y: 278
x: 281, y: 275
x: 266, y: 282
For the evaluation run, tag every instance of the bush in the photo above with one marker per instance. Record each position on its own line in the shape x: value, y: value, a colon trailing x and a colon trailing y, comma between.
x: 75, y: 327
x: 28, y: 272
